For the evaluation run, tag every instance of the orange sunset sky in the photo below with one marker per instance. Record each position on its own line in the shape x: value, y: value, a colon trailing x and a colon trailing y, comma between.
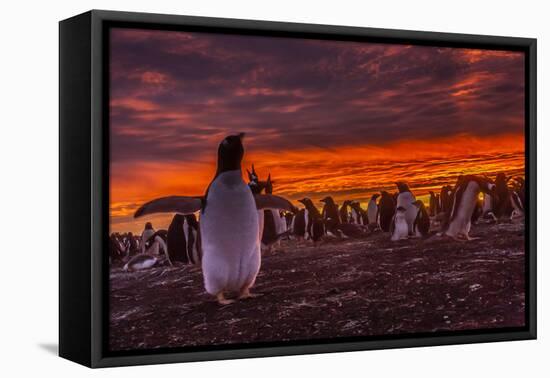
x: 336, y: 118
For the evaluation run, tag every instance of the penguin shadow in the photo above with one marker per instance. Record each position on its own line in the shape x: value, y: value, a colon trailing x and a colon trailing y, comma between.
x: 52, y: 348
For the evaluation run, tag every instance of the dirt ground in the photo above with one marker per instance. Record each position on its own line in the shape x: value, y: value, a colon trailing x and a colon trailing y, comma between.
x: 341, y: 288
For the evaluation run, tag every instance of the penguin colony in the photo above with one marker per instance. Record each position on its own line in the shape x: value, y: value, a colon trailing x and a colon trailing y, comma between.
x: 239, y: 220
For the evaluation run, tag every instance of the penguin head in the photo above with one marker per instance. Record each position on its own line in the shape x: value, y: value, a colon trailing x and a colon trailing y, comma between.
x: 148, y: 226
x: 252, y: 175
x: 306, y: 201
x: 375, y: 196
x: 402, y: 186
x: 328, y: 200
x: 230, y: 153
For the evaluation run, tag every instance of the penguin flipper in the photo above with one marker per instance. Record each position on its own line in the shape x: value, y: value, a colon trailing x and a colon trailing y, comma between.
x: 173, y: 204
x: 269, y: 201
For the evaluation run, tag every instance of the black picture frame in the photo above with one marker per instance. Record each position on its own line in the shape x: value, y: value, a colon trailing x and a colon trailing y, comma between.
x: 84, y: 186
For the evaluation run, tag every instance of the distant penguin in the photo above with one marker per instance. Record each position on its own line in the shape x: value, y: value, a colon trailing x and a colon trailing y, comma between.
x: 517, y: 204
x: 421, y: 225
x: 274, y: 226
x: 140, y: 262
x: 502, y: 202
x: 405, y: 199
x: 399, y: 228
x: 183, y: 241
x: 288, y: 219
x: 229, y: 228
x: 116, y: 250
x: 298, y: 224
x: 386, y: 211
x: 157, y: 245
x: 176, y: 240
x: 254, y: 183
x: 434, y: 204
x: 465, y: 199
x: 478, y: 211
x: 358, y: 214
x: 132, y: 246
x: 372, y: 210
x: 344, y: 212
x: 148, y: 231
x: 314, y: 226
x: 192, y: 236
x: 330, y: 214
x: 487, y: 206
x: 520, y: 189
x: 445, y: 198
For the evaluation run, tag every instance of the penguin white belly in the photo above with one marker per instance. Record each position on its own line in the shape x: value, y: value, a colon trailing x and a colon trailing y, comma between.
x: 261, y: 221
x: 372, y: 210
x: 230, y: 235
x: 487, y: 203
x: 306, y: 222
x: 144, y: 237
x: 401, y: 230
x: 280, y: 223
x: 405, y: 200
x: 461, y: 223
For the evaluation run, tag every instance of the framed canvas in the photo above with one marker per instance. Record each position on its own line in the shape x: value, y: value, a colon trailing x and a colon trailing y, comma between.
x: 234, y: 188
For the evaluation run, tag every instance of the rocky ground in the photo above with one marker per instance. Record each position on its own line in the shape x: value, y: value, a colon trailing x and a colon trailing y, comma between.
x: 344, y: 288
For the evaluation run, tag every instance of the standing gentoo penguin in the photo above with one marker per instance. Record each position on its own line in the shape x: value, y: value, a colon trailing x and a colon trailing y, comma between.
x: 274, y: 226
x: 358, y: 215
x: 421, y: 225
x: 466, y: 194
x: 314, y: 222
x: 405, y: 199
x: 146, y: 234
x: 229, y: 227
x: 183, y: 241
x: 446, y: 199
x: 372, y: 210
x: 344, y: 212
x: 193, y: 238
x: 399, y: 228
x: 488, y: 206
x: 502, y: 202
x: 132, y: 247
x: 176, y: 240
x: 298, y: 224
x: 330, y: 214
x: 386, y: 210
x: 434, y: 204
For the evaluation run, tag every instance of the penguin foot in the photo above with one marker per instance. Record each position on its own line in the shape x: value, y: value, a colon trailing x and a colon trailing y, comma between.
x: 246, y: 294
x: 222, y: 300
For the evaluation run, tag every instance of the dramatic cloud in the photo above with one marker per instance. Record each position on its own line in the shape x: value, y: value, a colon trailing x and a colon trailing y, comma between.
x: 345, y: 114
